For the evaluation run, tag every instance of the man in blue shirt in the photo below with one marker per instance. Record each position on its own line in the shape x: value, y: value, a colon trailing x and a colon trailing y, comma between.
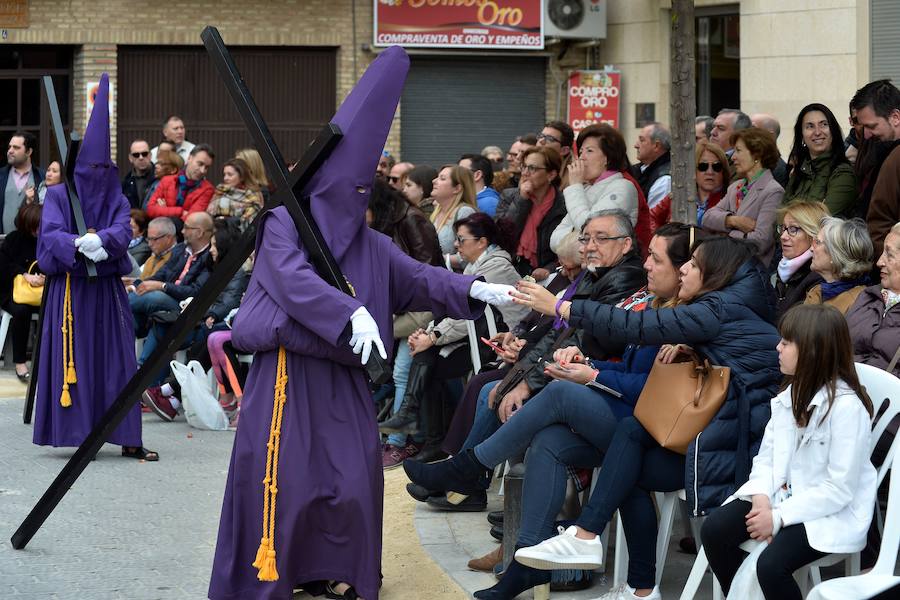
x: 487, y: 198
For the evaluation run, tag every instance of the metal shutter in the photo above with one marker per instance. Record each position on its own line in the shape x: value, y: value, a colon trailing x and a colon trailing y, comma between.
x: 453, y: 106
x: 885, y: 39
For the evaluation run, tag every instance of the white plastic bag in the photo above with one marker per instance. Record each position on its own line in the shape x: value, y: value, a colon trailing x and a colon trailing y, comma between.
x: 201, y: 409
x: 745, y: 585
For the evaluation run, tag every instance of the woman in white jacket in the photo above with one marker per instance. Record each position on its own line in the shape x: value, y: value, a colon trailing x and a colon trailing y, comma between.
x: 811, y: 491
x: 595, y: 180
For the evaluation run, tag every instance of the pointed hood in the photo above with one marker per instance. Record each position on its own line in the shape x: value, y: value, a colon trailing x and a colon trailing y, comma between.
x: 339, y: 192
x: 96, y: 175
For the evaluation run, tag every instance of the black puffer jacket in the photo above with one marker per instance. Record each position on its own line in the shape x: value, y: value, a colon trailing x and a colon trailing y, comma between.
x: 230, y: 297
x: 794, y: 290
x: 733, y: 328
x: 606, y: 286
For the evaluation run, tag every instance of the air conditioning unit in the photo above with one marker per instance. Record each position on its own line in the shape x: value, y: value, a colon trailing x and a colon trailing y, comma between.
x: 575, y: 19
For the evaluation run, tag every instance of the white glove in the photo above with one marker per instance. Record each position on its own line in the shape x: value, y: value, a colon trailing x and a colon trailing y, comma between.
x: 365, y: 333
x: 88, y: 243
x: 496, y: 294
x: 97, y: 255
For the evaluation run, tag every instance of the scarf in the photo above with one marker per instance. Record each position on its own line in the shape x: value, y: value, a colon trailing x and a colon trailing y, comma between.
x: 788, y: 266
x: 528, y: 242
x: 836, y: 288
x: 185, y: 187
x: 559, y: 322
x: 744, y: 188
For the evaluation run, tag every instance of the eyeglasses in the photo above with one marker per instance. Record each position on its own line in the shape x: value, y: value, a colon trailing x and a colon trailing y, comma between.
x: 533, y: 168
x: 792, y: 230
x: 460, y: 239
x: 140, y: 154
x: 156, y: 238
x: 599, y: 239
x: 704, y: 166
x: 817, y: 242
x: 548, y: 138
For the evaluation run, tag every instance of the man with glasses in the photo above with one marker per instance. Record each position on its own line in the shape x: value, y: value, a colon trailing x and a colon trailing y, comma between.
x: 559, y: 136
x: 180, y: 278
x: 397, y: 176
x: 162, y: 241
x: 141, y: 175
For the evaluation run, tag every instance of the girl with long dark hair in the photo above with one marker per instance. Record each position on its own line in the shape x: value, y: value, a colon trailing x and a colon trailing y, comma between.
x: 812, y: 486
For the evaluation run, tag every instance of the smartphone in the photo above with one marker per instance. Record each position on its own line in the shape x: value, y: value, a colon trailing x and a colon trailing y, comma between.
x: 493, y: 345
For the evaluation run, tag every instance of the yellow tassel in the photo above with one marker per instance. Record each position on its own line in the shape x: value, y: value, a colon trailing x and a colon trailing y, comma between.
x: 71, y: 377
x: 65, y: 399
x: 265, y: 554
x: 261, y: 553
x: 268, y: 571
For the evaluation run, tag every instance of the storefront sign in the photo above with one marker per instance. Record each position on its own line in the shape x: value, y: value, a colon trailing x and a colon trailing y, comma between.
x: 90, y: 95
x: 593, y: 98
x: 492, y: 24
x: 14, y: 14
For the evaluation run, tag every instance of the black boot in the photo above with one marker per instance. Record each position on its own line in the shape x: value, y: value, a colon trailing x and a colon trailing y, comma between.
x: 462, y: 473
x: 516, y: 580
x: 433, y: 425
x: 405, y: 420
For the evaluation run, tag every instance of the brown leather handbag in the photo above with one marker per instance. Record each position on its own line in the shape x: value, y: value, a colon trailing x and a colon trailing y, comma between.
x: 680, y: 399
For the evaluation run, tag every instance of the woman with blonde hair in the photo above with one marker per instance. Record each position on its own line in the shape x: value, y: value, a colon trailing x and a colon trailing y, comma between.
x: 256, y: 172
x: 453, y: 191
x: 798, y: 225
x: 712, y: 178
x: 842, y: 254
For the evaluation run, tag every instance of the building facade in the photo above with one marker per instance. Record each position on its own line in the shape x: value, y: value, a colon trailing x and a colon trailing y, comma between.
x: 300, y: 57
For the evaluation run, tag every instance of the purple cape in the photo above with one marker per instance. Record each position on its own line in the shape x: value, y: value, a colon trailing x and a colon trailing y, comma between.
x: 103, y: 341
x: 330, y: 483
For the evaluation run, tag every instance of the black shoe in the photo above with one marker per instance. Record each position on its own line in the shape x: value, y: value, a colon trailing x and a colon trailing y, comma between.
x: 476, y: 502
x: 497, y: 532
x: 516, y: 580
x: 421, y: 494
x: 495, y: 517
x: 462, y: 473
x: 429, y: 453
x: 570, y: 580
x: 404, y: 420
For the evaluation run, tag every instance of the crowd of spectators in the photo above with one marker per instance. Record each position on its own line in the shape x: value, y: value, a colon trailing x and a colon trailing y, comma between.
x: 570, y: 215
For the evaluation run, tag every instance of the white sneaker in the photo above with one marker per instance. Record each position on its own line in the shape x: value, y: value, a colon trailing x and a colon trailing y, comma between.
x: 626, y: 592
x: 565, y: 551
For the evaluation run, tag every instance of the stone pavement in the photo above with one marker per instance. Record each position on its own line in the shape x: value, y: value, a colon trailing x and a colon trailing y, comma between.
x: 453, y: 538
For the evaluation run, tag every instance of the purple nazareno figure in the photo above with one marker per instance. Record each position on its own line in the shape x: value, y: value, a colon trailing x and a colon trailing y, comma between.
x: 324, y: 523
x: 87, y: 350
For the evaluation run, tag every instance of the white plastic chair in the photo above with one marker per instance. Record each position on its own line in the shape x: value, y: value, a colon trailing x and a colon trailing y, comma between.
x: 881, y: 577
x: 881, y: 386
x: 5, y: 320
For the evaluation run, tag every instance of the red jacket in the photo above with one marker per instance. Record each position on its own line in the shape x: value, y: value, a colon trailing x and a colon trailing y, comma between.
x: 196, y: 201
x: 642, y: 227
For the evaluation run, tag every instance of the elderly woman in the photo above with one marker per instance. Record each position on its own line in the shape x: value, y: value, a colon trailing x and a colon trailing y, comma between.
x: 842, y: 254
x: 712, y: 179
x: 874, y: 318
x: 794, y: 277
x: 750, y: 205
x: 596, y: 180
x: 821, y: 169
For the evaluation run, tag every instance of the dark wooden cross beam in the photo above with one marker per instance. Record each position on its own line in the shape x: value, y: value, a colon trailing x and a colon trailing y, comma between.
x: 290, y: 187
x: 67, y: 155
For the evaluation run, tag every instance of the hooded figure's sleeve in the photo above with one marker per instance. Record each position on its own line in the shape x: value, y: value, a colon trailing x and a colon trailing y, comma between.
x: 116, y: 237
x: 56, y: 243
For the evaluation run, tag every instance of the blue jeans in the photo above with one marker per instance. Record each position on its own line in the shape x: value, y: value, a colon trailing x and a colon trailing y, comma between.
x: 402, y: 364
x: 145, y: 305
x: 485, y: 422
x: 157, y: 333
x: 634, y: 465
x: 579, y: 407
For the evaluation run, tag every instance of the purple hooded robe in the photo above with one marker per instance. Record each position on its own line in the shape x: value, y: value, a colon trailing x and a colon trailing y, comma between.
x: 103, y: 341
x: 330, y: 483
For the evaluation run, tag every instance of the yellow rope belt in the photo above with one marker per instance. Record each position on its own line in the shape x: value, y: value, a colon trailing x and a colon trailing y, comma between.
x: 265, y: 555
x: 68, y: 335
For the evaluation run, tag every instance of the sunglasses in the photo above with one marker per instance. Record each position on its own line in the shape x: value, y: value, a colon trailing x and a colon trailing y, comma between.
x: 140, y: 154
x: 704, y: 166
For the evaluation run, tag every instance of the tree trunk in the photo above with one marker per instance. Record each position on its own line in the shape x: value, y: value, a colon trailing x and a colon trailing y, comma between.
x: 683, y: 110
